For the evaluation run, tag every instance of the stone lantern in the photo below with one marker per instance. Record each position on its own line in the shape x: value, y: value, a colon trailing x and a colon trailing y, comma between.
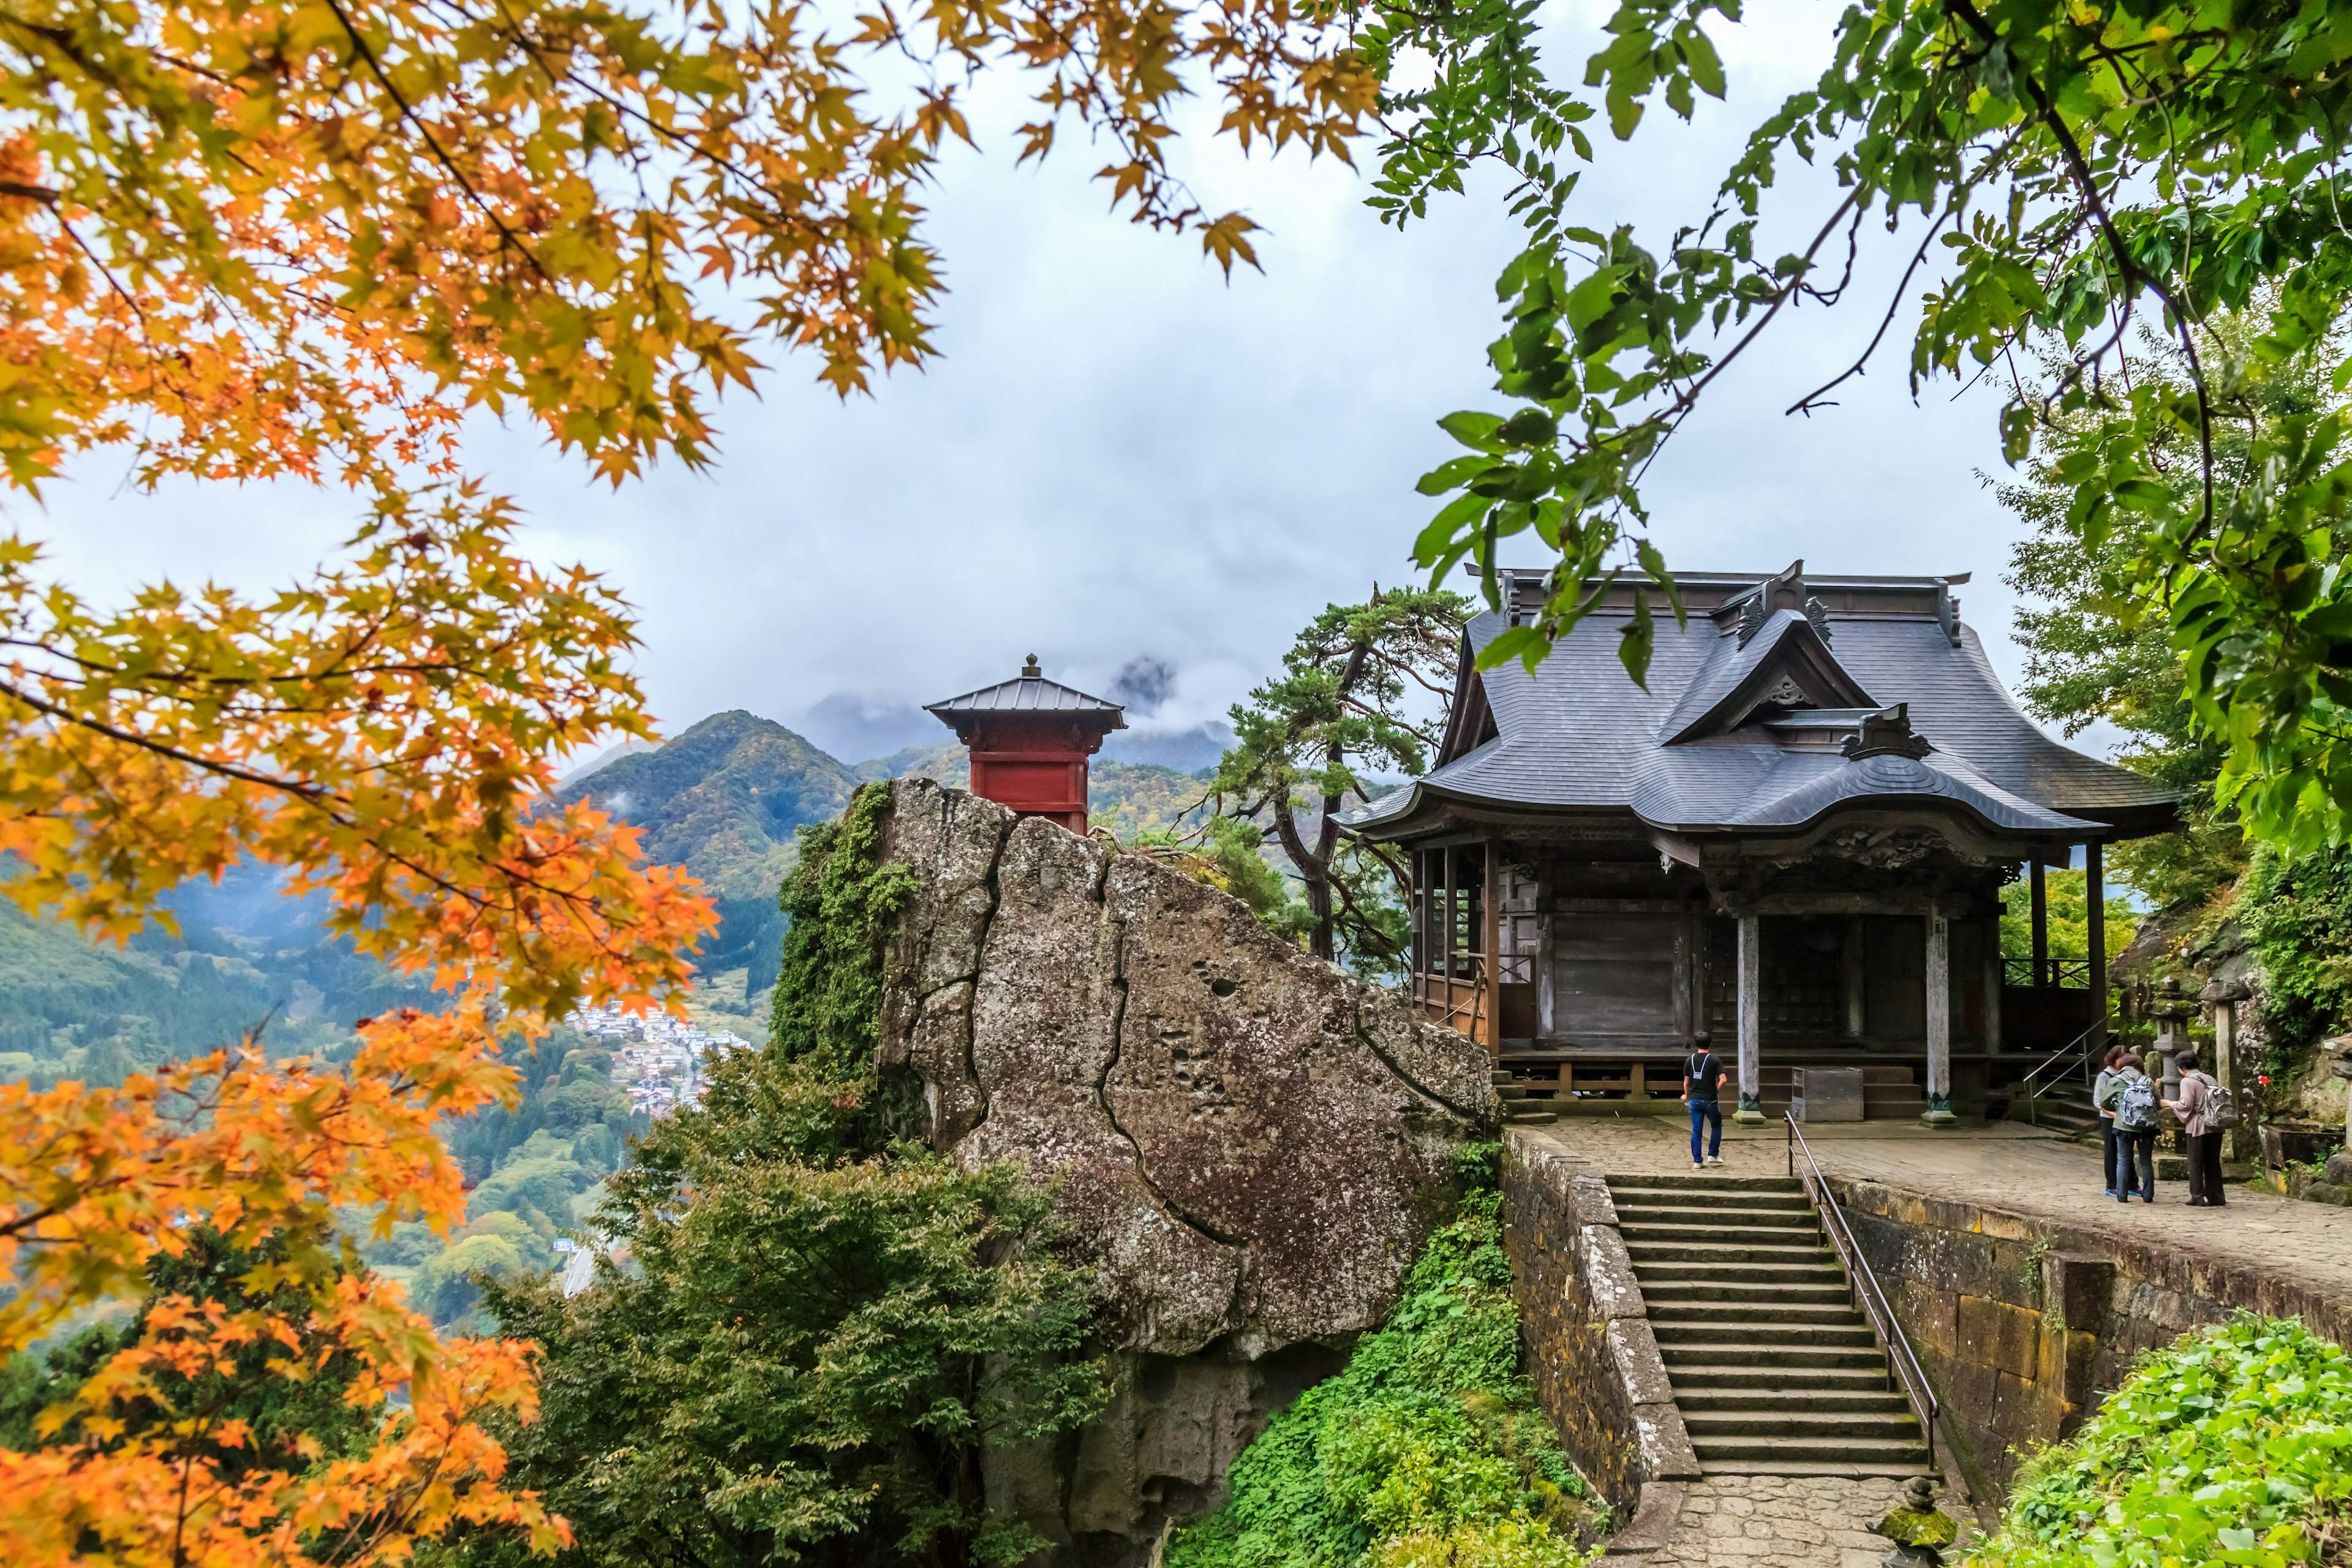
x: 1919, y: 1530
x: 2243, y: 1141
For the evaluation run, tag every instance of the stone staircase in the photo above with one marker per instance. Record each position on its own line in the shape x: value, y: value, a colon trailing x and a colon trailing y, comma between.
x: 2063, y: 1107
x: 1518, y: 1108
x: 1776, y: 1371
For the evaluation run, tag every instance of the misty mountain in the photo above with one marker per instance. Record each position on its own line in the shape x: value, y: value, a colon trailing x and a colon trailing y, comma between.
x: 1185, y: 751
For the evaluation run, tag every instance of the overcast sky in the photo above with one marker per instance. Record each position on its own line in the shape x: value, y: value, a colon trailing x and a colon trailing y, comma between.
x: 1120, y: 455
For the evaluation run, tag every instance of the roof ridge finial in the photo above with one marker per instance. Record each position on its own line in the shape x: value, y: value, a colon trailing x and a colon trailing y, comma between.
x: 1032, y: 670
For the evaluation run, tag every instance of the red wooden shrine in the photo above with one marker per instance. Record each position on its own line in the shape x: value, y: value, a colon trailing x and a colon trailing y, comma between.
x: 1029, y: 739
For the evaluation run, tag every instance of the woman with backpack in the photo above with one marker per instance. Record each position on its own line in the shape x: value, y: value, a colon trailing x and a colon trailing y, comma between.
x: 2205, y: 1108
x: 2131, y: 1096
x: 2106, y: 1079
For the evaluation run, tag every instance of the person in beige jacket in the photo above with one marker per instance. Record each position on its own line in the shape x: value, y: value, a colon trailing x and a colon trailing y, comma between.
x: 2205, y: 1189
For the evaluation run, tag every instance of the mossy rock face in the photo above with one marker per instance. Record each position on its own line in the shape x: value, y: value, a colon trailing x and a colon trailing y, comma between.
x: 1915, y: 1527
x: 2327, y: 1193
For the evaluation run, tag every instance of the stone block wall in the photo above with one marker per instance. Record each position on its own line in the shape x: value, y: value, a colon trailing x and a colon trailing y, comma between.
x: 1596, y: 1366
x: 2023, y: 1324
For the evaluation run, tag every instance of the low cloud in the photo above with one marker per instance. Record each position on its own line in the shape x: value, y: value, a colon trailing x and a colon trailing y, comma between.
x: 1144, y: 684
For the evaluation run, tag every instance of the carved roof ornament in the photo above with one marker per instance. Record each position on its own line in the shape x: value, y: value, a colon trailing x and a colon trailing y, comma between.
x: 1788, y: 694
x: 1818, y: 614
x: 1887, y: 733
x: 1785, y: 592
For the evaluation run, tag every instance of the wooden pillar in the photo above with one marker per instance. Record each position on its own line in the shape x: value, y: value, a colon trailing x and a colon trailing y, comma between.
x: 1447, y: 946
x: 2094, y: 893
x: 1940, y: 1020
x: 1751, y: 1020
x: 1992, y: 983
x: 1420, y: 959
x: 1850, y: 983
x: 2041, y: 927
x: 1490, y: 941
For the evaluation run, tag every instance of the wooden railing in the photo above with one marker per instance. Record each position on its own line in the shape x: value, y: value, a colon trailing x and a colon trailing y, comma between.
x: 1456, y: 1001
x: 1903, y: 1369
x: 2064, y: 974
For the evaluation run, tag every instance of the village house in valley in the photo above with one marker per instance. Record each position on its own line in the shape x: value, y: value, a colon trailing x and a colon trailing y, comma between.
x: 1795, y: 838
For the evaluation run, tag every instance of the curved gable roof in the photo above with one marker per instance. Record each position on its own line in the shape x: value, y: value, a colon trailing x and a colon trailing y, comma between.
x: 1688, y: 753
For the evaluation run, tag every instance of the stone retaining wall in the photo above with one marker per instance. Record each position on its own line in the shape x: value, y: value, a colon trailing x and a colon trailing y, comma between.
x: 1596, y: 1366
x: 2023, y: 1323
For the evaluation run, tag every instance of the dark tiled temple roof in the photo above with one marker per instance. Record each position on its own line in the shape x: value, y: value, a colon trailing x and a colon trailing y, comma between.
x: 1028, y: 693
x: 1744, y: 726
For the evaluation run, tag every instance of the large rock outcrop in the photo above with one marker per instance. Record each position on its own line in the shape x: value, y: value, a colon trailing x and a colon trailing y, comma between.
x: 1255, y: 1143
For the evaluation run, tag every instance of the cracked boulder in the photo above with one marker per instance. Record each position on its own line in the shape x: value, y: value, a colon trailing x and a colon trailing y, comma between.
x: 1254, y: 1142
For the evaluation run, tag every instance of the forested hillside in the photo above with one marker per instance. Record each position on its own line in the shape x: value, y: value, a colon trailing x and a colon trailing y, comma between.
x: 725, y: 799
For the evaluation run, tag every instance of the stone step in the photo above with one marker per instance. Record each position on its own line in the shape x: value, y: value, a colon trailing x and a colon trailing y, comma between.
x: 1709, y: 1352
x: 1793, y: 1401
x: 1679, y: 1181
x: 1531, y: 1118
x: 1815, y: 1271
x: 1734, y: 1455
x: 1770, y: 1224
x: 1657, y: 1208
x: 1868, y: 1375
x: 1846, y: 1470
x: 1671, y: 1296
x: 1832, y: 1314
x: 1728, y: 1202
x: 1727, y: 1254
x: 1634, y: 1231
x: 1780, y: 1421
x: 1738, y: 1328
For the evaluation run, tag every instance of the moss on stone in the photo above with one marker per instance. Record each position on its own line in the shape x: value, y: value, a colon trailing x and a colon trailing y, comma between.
x: 845, y: 905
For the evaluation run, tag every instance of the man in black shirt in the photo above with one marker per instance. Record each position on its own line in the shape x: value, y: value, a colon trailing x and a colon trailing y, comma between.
x: 1703, y: 1076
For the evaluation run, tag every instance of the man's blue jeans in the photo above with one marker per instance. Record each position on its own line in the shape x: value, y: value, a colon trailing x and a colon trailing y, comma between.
x: 1706, y: 1113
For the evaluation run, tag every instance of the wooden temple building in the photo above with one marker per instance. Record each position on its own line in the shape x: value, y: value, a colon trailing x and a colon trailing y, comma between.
x: 1794, y: 839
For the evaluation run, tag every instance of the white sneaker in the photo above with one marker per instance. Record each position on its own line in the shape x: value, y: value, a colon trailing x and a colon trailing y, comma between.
x: 1714, y: 1159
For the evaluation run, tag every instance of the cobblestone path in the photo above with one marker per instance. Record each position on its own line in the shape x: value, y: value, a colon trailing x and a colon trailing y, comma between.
x: 1777, y: 1522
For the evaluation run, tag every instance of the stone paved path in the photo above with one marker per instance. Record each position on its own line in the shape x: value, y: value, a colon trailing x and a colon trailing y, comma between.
x: 1774, y: 1521
x: 2019, y: 1169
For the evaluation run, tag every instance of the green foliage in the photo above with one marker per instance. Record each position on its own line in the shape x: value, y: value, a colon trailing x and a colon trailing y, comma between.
x: 2233, y: 1445
x: 2298, y: 914
x: 819, y: 1325
x: 2066, y: 907
x: 843, y: 908
x: 1426, y: 1448
x: 280, y: 1412
x: 2082, y: 169
x: 1303, y: 741
x: 2093, y: 654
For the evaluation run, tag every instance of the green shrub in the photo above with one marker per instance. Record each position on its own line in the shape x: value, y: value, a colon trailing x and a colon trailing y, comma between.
x: 2233, y: 1445
x: 2298, y: 913
x: 1426, y: 1450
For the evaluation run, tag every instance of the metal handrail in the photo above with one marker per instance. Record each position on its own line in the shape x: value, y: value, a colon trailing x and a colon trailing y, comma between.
x: 2076, y: 1051
x: 1901, y: 1365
